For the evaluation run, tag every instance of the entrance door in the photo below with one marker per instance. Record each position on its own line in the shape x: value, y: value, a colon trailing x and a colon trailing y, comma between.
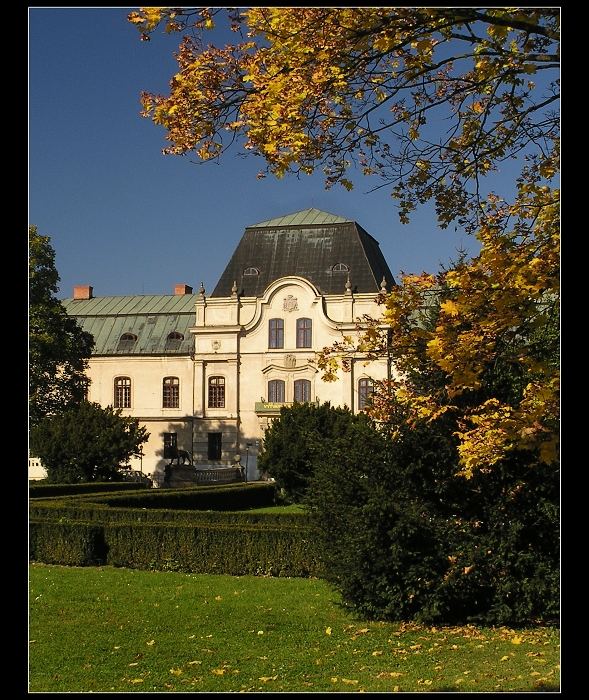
x: 214, y: 451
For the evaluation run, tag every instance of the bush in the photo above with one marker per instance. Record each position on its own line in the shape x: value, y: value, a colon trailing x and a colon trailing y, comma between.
x: 403, y: 538
x: 294, y: 442
x: 71, y: 544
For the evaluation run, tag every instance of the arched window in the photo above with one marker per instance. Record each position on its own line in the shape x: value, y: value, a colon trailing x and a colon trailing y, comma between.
x: 173, y: 341
x: 304, y: 332
x: 340, y: 267
x: 126, y: 342
x: 122, y: 398
x: 276, y: 333
x: 365, y: 391
x: 302, y: 390
x: 216, y: 392
x: 276, y: 391
x: 171, y: 392
x: 251, y: 271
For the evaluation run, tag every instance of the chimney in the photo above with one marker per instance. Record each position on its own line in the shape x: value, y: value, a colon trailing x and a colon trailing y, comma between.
x: 83, y: 291
x: 181, y: 289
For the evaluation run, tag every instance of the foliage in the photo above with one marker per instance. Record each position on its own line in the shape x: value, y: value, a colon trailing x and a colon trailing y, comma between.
x: 87, y: 443
x: 295, y: 440
x: 47, y: 490
x: 435, y: 102
x: 127, y: 630
x: 58, y: 348
x: 404, y: 539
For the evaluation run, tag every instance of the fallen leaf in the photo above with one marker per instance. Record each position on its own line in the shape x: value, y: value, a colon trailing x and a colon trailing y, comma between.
x: 504, y: 658
x: 517, y: 640
x: 265, y: 679
x: 135, y: 663
x: 396, y: 689
x: 334, y: 679
x: 136, y: 680
x: 328, y: 630
x: 176, y: 671
x: 377, y: 653
x: 218, y: 597
x: 151, y: 642
x: 260, y: 631
x: 219, y: 671
x: 347, y: 681
x: 192, y: 663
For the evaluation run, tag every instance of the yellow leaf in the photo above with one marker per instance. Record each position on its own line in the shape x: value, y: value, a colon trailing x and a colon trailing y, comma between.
x: 396, y: 689
x: 151, y: 643
x: 334, y: 679
x: 377, y: 653
x: 265, y: 679
x: 176, y: 671
x: 136, y: 680
x: 192, y: 663
x: 219, y: 671
x: 218, y: 597
x: 135, y: 663
x: 517, y: 640
x: 328, y: 630
x: 504, y: 658
x: 260, y: 631
x: 347, y: 681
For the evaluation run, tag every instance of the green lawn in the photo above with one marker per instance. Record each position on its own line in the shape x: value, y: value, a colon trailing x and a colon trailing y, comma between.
x: 106, y: 629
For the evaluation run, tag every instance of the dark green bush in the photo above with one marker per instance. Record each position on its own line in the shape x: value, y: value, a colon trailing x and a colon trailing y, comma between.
x: 403, y: 538
x: 68, y: 543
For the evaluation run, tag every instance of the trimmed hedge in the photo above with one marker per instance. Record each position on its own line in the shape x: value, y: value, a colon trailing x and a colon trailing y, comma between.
x: 44, y: 490
x: 61, y: 508
x: 213, y: 549
x: 218, y: 498
x: 72, y: 544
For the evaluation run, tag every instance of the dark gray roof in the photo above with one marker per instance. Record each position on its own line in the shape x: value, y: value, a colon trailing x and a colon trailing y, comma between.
x: 308, y: 244
x: 151, y: 318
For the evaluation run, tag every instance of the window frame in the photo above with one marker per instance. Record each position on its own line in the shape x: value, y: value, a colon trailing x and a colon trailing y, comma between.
x: 365, y: 391
x: 304, y: 332
x: 276, y: 388
x: 276, y: 334
x: 122, y: 392
x: 305, y: 386
x: 216, y: 395
x: 171, y: 397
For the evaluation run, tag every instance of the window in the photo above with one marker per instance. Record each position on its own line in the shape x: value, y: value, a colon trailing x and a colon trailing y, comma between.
x: 173, y: 341
x: 302, y: 390
x: 122, y: 392
x: 251, y: 271
x: 170, y: 445
x: 276, y: 391
x: 214, y: 446
x: 340, y: 267
x: 171, y: 392
x: 216, y: 392
x: 126, y: 342
x: 276, y: 333
x: 365, y: 390
x: 304, y: 332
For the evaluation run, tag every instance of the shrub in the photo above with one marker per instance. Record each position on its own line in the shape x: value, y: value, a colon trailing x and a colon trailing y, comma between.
x: 45, y: 490
x: 71, y: 544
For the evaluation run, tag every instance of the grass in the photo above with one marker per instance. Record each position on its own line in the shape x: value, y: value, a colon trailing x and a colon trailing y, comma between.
x: 106, y: 629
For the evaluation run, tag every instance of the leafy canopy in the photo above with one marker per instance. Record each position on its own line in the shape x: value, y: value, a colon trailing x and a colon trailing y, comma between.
x: 58, y: 348
x: 437, y: 104
x: 87, y: 443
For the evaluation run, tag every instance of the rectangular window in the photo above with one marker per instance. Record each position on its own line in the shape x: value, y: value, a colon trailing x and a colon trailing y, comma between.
x: 276, y: 391
x: 214, y: 447
x: 302, y: 390
x: 122, y: 398
x: 216, y: 392
x: 170, y: 445
x: 304, y: 332
x: 171, y: 392
x: 276, y: 333
x: 365, y: 391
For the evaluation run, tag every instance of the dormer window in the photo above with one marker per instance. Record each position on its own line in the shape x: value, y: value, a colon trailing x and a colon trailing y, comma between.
x: 251, y: 271
x: 173, y: 341
x: 126, y: 342
x: 340, y: 267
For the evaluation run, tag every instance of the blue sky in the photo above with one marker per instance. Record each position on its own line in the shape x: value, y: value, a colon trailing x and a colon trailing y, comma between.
x: 126, y: 219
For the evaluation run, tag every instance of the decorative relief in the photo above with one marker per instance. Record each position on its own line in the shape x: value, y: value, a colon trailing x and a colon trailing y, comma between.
x: 290, y: 361
x: 216, y: 344
x: 290, y: 303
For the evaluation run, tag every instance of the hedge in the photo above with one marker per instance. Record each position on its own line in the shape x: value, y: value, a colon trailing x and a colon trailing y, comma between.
x: 220, y: 498
x: 213, y: 549
x: 72, y: 544
x: 44, y: 490
x: 63, y: 508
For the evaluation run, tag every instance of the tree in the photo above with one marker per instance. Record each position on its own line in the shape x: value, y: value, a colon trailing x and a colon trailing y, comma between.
x: 58, y: 348
x: 436, y: 102
x: 295, y: 440
x: 87, y: 443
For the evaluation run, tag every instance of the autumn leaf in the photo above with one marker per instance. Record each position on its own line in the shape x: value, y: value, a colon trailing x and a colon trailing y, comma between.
x: 265, y: 679
x: 219, y: 671
x: 328, y: 631
x: 176, y: 671
x: 150, y: 643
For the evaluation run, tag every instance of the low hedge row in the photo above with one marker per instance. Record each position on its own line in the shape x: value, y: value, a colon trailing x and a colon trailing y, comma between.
x: 214, y: 549
x: 65, y: 509
x: 218, y: 498
x: 44, y: 490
